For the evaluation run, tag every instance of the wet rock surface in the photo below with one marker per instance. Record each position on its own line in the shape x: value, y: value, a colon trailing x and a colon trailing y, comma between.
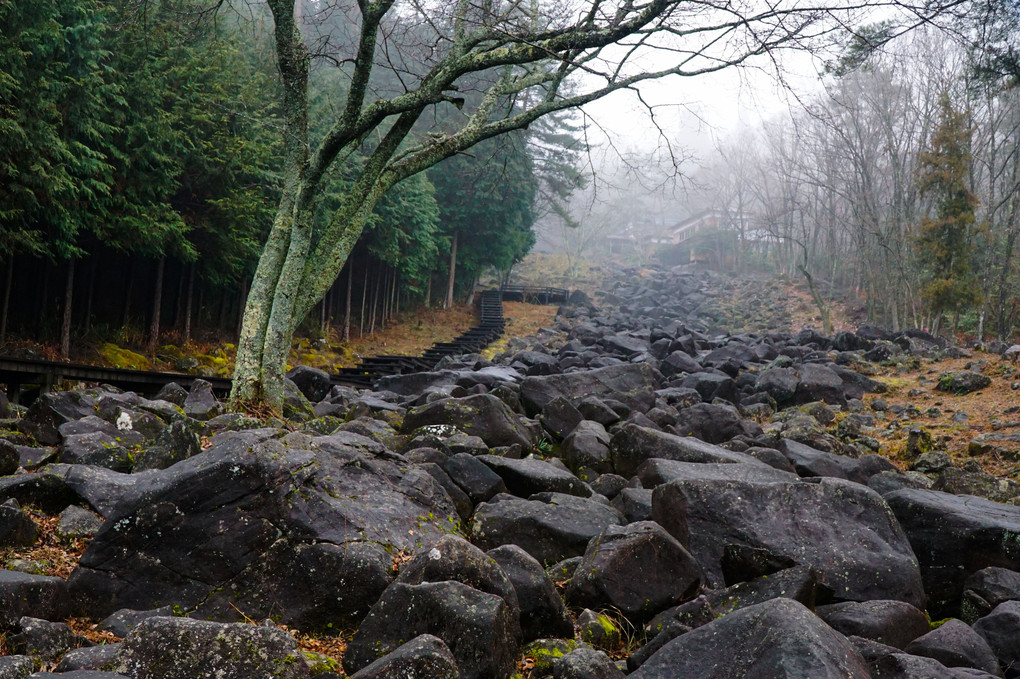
x: 666, y: 484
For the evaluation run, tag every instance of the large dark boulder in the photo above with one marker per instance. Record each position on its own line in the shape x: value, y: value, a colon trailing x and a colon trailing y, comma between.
x: 42, y: 490
x: 177, y: 442
x: 986, y: 589
x: 779, y: 383
x: 543, y: 613
x: 657, y: 471
x: 1001, y: 629
x: 10, y: 459
x: 182, y: 648
x: 201, y: 403
x: 894, y: 623
x: 816, y: 382
x: 638, y: 569
x: 479, y: 628
x: 526, y: 477
x: 714, y: 423
x: 842, y: 529
x: 424, y: 657
x: 585, y: 663
x: 96, y: 448
x: 17, y: 529
x: 312, y: 382
x: 954, y: 536
x: 587, y: 446
x: 239, y: 528
x: 632, y: 444
x: 550, y: 527
x: 776, y: 639
x: 52, y: 409
x: 799, y: 583
x: 955, y: 644
x: 906, y: 666
x: 633, y: 384
x: 473, y: 477
x: 454, y: 558
x: 481, y: 415
x: 38, y: 596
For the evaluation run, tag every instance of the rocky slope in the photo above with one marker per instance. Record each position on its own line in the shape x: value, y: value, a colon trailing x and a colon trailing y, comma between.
x: 632, y: 491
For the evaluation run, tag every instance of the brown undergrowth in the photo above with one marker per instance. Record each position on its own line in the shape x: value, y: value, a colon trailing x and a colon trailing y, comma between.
x: 54, y: 555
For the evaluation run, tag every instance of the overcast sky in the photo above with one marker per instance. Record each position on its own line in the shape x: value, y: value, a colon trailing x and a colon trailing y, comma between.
x: 697, y: 111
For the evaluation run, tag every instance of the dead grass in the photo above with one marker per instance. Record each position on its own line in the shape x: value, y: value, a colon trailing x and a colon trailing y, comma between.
x: 986, y: 409
x: 913, y: 383
x: 804, y: 312
x: 56, y: 556
x: 522, y: 320
x: 412, y: 334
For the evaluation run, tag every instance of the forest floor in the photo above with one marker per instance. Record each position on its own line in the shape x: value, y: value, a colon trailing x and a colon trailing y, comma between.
x: 912, y: 382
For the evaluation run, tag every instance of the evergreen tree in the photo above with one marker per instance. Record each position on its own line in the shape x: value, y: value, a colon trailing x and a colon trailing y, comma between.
x: 55, y: 86
x: 945, y: 241
x: 486, y: 202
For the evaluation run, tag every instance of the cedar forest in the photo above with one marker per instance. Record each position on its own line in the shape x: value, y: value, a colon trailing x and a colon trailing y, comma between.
x: 140, y: 171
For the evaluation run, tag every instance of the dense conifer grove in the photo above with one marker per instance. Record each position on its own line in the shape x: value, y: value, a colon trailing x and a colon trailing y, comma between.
x: 139, y: 174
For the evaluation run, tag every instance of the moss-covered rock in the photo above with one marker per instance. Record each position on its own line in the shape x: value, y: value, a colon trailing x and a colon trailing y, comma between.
x: 119, y: 357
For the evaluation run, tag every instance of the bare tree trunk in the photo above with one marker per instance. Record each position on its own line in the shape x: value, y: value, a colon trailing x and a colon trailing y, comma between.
x: 384, y: 312
x: 187, y: 303
x: 428, y: 291
x: 44, y: 298
x: 347, y: 302
x: 65, y: 329
x: 375, y: 299
x: 396, y: 295
x: 127, y: 295
x: 157, y: 306
x: 90, y: 294
x: 453, y: 273
x: 240, y: 310
x: 364, y: 294
x: 221, y: 321
x: 7, y: 299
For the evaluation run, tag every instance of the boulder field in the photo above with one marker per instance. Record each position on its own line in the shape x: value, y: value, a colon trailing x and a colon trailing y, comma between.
x: 633, y: 492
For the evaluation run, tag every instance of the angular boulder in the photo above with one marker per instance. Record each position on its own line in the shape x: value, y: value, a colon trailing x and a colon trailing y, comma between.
x: 894, y: 623
x: 842, y: 529
x: 526, y: 477
x: 777, y: 639
x: 631, y: 445
x: 182, y: 648
x: 550, y: 528
x: 424, y: 657
x: 239, y: 528
x: 638, y: 569
x: 479, y: 628
x: 954, y: 536
x: 481, y: 415
x: 630, y: 383
x: 543, y: 613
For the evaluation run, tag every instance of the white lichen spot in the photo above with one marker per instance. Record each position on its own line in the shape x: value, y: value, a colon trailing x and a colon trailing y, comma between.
x: 435, y: 555
x: 124, y: 422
